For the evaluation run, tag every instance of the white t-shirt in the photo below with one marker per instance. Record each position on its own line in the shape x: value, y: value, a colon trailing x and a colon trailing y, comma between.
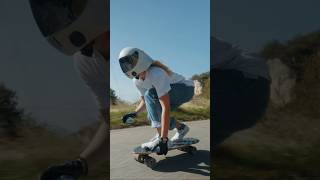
x: 227, y: 56
x: 157, y: 78
x: 95, y: 73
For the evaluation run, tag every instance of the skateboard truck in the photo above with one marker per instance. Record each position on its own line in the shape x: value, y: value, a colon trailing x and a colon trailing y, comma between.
x: 142, y: 155
x: 65, y: 177
x: 147, y: 160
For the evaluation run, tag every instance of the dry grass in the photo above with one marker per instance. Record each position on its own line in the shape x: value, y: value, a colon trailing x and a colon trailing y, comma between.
x: 27, y: 156
x: 197, y: 109
x: 285, y: 144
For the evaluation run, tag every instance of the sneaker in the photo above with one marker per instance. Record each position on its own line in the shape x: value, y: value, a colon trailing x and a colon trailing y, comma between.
x: 155, y: 141
x: 154, y: 137
x: 180, y: 133
x: 152, y: 142
x: 170, y: 144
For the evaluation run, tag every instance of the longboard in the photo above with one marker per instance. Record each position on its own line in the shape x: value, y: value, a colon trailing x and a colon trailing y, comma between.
x: 65, y: 177
x: 142, y: 154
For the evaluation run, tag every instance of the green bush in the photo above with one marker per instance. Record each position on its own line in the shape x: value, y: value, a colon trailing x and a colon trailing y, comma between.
x: 10, y: 114
x: 113, y: 97
x: 295, y: 52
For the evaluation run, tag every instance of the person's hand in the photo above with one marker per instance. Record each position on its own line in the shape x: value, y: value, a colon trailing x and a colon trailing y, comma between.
x: 75, y: 168
x: 162, y: 146
x: 129, y: 118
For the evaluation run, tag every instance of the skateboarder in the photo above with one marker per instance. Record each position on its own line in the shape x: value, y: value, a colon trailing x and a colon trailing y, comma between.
x: 80, y: 28
x: 161, y: 91
x: 240, y: 89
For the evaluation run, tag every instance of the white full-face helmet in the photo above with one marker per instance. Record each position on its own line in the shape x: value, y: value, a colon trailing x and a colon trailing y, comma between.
x: 70, y: 25
x: 134, y: 61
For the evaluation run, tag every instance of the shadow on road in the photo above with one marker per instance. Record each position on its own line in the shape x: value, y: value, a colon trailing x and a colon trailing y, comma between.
x: 197, y: 164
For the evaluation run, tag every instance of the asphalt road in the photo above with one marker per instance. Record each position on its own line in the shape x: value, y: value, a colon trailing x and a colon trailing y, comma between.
x: 176, y: 165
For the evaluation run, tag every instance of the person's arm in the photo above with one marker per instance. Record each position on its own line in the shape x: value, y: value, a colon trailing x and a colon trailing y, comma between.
x: 222, y: 53
x: 95, y: 74
x: 128, y: 118
x: 141, y: 106
x: 165, y: 115
x: 97, y: 149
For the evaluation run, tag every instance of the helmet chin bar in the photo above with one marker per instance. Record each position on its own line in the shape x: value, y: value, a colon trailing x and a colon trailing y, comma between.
x: 77, y: 39
x: 88, y: 50
x: 74, y: 34
x: 134, y: 61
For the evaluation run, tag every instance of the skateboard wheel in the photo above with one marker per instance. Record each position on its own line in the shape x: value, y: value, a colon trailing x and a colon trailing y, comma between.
x: 140, y: 158
x: 150, y: 162
x: 192, y: 150
x: 184, y: 149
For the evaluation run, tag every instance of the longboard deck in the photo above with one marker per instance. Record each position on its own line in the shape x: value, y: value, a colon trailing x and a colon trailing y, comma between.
x: 65, y: 177
x: 185, y: 142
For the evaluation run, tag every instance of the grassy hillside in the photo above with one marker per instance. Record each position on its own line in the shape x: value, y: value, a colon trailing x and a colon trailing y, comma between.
x: 26, y: 157
x: 197, y: 109
x: 182, y: 114
x: 26, y: 148
x: 285, y: 144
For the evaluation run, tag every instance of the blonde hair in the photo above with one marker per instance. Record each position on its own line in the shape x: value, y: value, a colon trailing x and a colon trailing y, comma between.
x: 162, y: 66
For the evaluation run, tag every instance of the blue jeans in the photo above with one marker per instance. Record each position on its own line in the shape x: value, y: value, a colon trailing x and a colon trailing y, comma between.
x: 179, y: 94
x: 238, y: 103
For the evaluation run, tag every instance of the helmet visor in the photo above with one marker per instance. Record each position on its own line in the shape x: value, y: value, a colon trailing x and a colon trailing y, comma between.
x: 127, y: 63
x: 55, y: 15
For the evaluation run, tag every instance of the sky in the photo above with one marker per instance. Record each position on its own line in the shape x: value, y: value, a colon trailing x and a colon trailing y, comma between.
x: 176, y: 32
x: 250, y: 24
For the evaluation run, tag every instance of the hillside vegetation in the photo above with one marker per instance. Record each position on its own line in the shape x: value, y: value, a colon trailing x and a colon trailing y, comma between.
x: 285, y: 144
x: 27, y: 148
x: 197, y: 109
